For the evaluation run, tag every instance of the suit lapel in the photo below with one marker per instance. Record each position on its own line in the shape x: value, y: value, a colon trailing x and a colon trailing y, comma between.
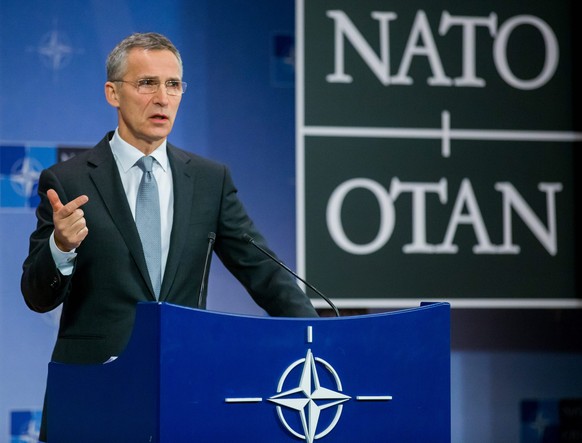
x: 105, y: 175
x: 183, y: 178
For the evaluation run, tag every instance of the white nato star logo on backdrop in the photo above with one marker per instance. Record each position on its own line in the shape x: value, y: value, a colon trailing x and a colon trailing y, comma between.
x: 24, y: 176
x: 55, y: 49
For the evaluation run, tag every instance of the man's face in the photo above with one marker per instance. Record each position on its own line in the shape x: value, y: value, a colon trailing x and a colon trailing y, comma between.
x: 145, y: 120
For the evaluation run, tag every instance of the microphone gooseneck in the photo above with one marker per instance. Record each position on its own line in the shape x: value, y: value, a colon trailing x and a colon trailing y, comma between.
x: 202, y: 294
x: 251, y: 240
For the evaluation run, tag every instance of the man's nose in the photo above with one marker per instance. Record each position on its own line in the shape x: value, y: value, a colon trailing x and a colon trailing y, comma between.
x: 161, y: 95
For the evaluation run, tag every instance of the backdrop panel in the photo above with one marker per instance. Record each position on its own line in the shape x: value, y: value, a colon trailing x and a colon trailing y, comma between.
x: 435, y: 148
x: 52, y: 72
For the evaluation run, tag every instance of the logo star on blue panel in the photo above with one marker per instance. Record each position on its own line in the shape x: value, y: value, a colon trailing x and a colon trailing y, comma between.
x: 20, y: 168
x: 540, y: 421
x: 24, y: 426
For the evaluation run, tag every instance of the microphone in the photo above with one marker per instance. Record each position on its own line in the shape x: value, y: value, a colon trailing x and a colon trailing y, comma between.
x: 251, y: 240
x: 204, y: 285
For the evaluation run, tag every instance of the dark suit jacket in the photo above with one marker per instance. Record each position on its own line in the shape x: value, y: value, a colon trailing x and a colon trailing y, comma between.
x: 110, y: 275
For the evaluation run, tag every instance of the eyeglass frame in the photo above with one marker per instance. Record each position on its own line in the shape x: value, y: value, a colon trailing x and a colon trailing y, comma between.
x: 136, y: 84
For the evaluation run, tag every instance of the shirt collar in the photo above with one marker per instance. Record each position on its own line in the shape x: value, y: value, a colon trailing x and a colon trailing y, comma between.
x: 127, y: 155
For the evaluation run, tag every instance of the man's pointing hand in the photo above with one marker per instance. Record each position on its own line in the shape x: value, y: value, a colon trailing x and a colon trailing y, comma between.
x: 69, y: 220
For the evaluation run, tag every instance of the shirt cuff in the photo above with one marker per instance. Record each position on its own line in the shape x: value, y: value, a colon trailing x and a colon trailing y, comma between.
x: 65, y: 261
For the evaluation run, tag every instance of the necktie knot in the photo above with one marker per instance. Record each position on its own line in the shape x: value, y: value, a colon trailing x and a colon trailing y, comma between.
x: 146, y: 163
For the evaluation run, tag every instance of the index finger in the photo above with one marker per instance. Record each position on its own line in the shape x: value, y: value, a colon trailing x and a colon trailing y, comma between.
x: 73, y: 205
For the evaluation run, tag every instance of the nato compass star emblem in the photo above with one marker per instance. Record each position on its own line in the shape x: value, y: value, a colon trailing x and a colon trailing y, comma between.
x: 55, y: 49
x: 24, y: 176
x: 309, y: 398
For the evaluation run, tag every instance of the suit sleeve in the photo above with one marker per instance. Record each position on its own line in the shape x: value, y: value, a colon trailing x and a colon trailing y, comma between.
x: 42, y: 285
x: 272, y: 288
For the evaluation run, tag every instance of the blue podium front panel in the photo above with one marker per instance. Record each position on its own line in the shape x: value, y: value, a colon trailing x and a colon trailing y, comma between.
x: 201, y: 376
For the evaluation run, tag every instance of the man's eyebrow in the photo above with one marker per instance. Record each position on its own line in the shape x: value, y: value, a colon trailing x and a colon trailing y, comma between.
x: 156, y: 77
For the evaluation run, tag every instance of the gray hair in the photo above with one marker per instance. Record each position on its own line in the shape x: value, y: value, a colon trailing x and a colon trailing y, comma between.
x: 117, y: 59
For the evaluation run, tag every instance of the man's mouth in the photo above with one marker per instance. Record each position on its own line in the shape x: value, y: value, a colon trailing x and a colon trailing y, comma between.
x: 159, y: 117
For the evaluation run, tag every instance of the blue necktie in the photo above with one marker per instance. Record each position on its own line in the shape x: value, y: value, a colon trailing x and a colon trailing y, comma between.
x: 147, y: 219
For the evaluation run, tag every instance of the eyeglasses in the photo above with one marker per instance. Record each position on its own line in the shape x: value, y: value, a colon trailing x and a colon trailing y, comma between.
x: 151, y: 86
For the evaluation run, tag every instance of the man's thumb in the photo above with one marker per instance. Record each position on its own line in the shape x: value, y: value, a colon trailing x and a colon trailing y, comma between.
x: 54, y: 200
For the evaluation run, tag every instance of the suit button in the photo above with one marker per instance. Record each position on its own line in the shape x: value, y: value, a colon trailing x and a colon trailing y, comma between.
x: 55, y: 282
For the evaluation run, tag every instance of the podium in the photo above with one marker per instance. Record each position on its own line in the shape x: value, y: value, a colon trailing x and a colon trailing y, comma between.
x: 198, y: 376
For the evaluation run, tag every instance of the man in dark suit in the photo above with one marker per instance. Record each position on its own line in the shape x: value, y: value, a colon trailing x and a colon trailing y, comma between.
x: 86, y: 252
